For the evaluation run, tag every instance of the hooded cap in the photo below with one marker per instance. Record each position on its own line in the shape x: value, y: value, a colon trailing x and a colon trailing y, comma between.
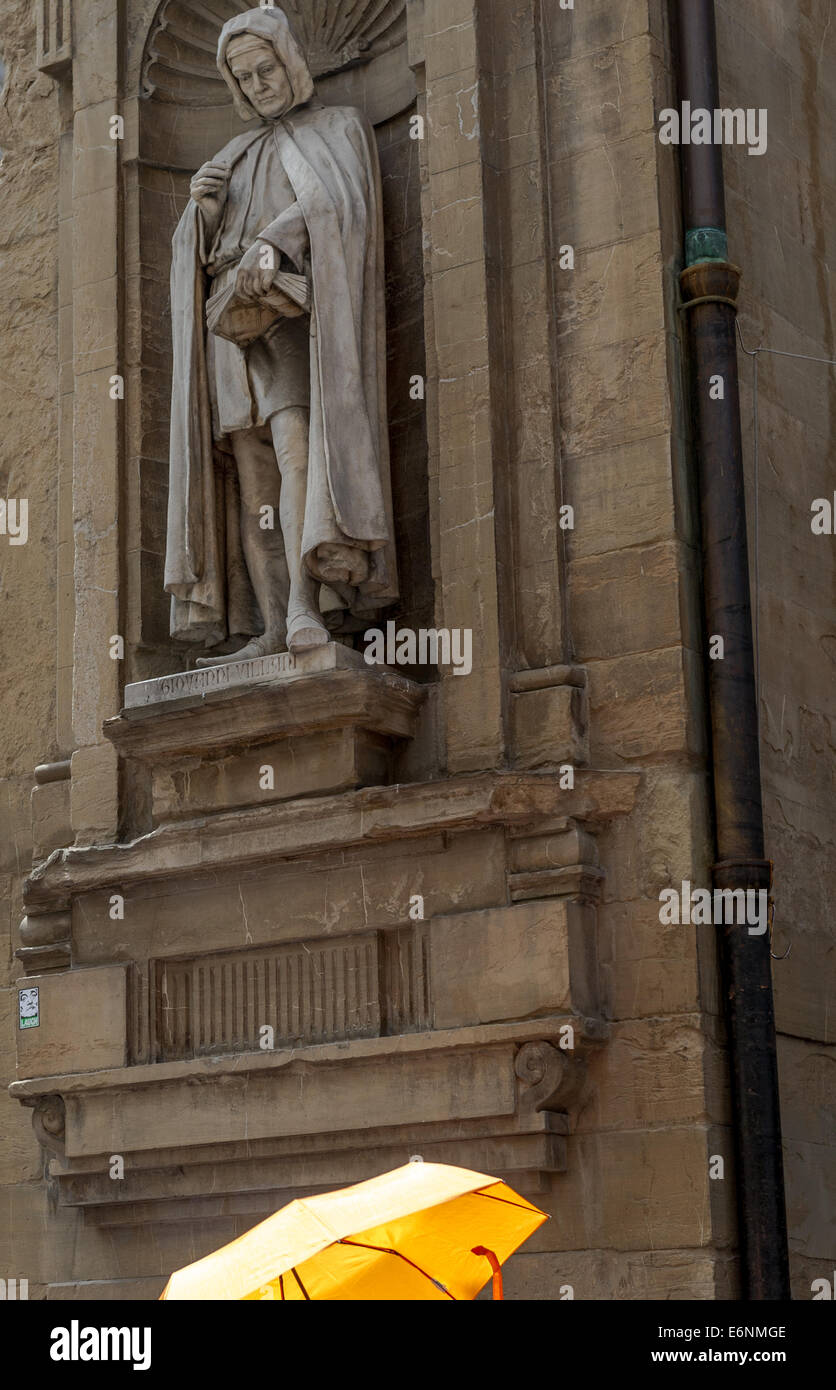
x: 272, y: 25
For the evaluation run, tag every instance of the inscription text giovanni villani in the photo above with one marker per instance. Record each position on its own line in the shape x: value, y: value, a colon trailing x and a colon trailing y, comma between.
x: 216, y: 677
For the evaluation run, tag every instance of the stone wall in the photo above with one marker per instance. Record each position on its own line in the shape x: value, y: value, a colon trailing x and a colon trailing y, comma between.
x: 547, y: 387
x: 31, y: 649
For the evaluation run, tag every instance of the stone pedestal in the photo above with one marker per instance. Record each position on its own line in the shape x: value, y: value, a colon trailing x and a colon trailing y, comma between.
x: 255, y: 732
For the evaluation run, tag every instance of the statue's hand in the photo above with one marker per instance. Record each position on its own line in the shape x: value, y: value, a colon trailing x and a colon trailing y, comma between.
x: 210, y: 185
x: 257, y: 270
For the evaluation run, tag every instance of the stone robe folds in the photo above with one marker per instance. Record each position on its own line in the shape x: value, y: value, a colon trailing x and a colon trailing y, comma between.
x: 330, y: 161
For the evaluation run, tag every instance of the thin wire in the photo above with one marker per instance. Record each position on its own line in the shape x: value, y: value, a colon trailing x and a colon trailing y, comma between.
x: 775, y: 352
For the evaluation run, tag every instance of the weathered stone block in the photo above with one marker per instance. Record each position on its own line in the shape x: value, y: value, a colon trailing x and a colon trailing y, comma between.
x: 605, y: 96
x: 646, y: 705
x: 15, y: 825
x: 631, y: 1276
x: 625, y: 492
x: 82, y: 1023
x: 50, y: 818
x: 807, y: 1073
x: 654, y: 1072
x: 94, y: 806
x: 662, y: 1193
x: 512, y: 962
x: 614, y: 612
x: 804, y: 984
x: 810, y: 1177
x: 549, y: 726
x: 331, y: 761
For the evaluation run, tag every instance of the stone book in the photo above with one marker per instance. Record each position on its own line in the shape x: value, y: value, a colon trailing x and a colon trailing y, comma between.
x: 242, y: 321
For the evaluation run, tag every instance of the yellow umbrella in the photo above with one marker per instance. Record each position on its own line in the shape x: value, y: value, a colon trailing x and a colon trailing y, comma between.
x: 424, y: 1231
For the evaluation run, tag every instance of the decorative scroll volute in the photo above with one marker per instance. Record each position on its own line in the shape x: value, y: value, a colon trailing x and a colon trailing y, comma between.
x: 549, y: 1077
x: 49, y: 1123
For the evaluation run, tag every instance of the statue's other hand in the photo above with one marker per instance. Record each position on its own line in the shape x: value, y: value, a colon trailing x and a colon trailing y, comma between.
x: 210, y: 185
x: 256, y: 271
x: 287, y: 306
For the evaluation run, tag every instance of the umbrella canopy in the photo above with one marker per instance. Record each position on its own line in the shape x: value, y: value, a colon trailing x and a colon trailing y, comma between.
x: 409, y: 1234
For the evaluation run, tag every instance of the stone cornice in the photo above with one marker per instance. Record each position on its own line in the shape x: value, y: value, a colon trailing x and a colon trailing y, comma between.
x: 588, y: 1030
x: 319, y: 825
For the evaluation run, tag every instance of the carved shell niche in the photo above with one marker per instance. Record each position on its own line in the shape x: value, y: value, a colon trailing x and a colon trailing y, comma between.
x: 179, y: 62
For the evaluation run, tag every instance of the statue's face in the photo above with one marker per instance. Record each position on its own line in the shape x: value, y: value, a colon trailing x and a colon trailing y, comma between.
x: 261, y: 77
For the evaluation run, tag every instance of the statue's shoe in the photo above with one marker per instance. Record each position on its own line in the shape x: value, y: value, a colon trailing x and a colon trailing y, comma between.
x: 259, y: 646
x: 304, y: 632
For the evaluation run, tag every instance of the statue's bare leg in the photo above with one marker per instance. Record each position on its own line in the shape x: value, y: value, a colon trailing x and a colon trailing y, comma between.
x: 260, y: 486
x: 305, y: 628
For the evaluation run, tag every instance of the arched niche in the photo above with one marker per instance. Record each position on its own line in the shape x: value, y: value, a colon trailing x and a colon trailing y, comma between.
x: 358, y: 54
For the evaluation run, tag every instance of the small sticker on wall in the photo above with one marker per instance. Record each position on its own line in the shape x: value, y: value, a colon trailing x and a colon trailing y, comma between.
x: 29, y: 1007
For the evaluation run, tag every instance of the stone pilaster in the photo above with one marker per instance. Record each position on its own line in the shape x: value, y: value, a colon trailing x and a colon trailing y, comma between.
x: 96, y: 483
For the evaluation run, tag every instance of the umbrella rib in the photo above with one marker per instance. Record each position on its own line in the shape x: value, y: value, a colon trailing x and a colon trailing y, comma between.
x: 381, y: 1250
x: 301, y: 1285
x: 491, y: 1198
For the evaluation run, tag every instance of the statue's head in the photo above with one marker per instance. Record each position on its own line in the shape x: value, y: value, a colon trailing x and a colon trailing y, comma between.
x: 262, y: 63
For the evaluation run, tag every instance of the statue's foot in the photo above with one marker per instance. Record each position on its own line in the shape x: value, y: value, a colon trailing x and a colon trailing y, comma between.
x: 305, y: 631
x: 267, y: 645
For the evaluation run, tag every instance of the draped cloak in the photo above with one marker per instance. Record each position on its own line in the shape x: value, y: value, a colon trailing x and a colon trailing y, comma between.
x: 330, y: 158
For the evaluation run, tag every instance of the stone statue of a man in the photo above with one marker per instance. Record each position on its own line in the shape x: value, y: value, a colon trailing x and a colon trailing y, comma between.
x: 296, y: 539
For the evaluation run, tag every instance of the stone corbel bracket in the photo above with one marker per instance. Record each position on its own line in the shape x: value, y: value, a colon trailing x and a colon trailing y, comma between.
x: 558, y: 860
x: 550, y: 1077
x: 45, y: 938
x: 49, y: 1121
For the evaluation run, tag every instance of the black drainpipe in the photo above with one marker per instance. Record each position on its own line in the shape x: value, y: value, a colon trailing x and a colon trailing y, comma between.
x: 709, y: 290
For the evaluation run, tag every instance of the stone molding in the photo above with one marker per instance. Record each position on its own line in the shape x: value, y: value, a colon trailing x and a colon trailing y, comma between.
x: 48, y: 773
x: 492, y: 1095
x: 589, y: 1031
x: 45, y: 941
x: 319, y: 825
